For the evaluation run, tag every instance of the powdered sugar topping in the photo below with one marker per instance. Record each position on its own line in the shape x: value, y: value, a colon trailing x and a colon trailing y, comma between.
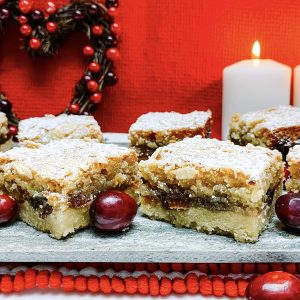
x: 159, y: 121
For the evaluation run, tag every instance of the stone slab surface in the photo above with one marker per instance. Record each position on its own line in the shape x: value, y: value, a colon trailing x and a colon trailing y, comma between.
x: 147, y: 241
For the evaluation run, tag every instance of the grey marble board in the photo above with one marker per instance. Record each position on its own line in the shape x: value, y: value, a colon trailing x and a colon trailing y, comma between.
x: 147, y: 241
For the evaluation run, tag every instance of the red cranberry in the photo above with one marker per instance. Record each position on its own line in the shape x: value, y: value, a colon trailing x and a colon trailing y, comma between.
x: 37, y: 15
x: 288, y: 210
x: 4, y: 14
x: 113, y: 211
x: 274, y: 285
x: 8, y: 208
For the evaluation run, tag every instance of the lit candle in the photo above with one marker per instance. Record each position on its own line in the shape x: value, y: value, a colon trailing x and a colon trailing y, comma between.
x: 254, y: 84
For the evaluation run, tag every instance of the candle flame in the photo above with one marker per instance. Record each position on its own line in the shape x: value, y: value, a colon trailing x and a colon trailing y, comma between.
x: 256, y: 50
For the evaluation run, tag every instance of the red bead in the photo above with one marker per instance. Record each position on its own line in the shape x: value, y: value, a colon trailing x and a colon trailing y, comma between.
x: 51, y: 8
x: 35, y: 44
x: 25, y: 6
x: 26, y: 30
x: 92, y: 86
x: 94, y: 67
x: 96, y: 98
x: 8, y: 208
x: 97, y: 30
x: 52, y: 27
x: 74, y: 108
x: 115, y: 28
x: 274, y: 285
x: 12, y: 130
x: 112, y: 12
x: 113, y: 211
x: 113, y: 54
x: 88, y: 51
x: 22, y: 19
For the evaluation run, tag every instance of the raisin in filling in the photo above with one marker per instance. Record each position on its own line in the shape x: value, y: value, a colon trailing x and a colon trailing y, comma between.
x: 181, y: 199
x: 40, y: 203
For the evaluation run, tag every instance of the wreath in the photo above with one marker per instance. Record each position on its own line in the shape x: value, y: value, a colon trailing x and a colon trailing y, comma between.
x: 43, y: 30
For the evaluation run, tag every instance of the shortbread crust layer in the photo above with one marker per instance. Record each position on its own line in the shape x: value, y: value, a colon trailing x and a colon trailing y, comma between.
x: 275, y: 128
x: 220, y: 178
x: 62, y: 178
x: 155, y: 130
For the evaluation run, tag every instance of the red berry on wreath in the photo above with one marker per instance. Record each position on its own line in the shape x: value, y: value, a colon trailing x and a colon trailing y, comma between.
x: 8, y: 208
x: 113, y: 211
x: 92, y: 86
x: 5, y: 105
x: 26, y: 30
x: 78, y: 15
x: 110, y: 78
x: 35, y: 44
x: 96, y: 98
x: 4, y: 14
x: 111, y: 3
x: 51, y: 8
x: 37, y: 15
x: 88, y: 51
x: 25, y: 6
x: 74, y: 108
x: 97, y: 30
x: 115, y: 28
x: 112, y: 12
x: 93, y: 9
x: 94, y: 67
x: 52, y: 27
x: 22, y: 19
x: 274, y: 285
x: 12, y: 130
x: 113, y: 54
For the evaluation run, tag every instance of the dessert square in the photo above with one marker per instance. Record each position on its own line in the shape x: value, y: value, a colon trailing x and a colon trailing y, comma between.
x: 156, y: 129
x: 212, y: 186
x: 293, y: 159
x: 56, y: 183
x: 48, y: 128
x: 5, y: 140
x: 275, y: 128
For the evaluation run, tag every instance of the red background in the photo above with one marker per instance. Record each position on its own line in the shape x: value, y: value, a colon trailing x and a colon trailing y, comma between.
x: 172, y: 56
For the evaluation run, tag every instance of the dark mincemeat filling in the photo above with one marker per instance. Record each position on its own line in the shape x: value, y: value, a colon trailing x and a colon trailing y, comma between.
x: 179, y: 198
x: 283, y: 146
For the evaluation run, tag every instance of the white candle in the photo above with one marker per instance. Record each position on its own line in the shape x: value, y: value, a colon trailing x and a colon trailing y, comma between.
x: 296, y: 98
x: 254, y: 84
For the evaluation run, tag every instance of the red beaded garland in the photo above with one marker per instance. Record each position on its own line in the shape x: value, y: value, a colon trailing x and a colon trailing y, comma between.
x: 52, y: 27
x: 97, y: 30
x: 26, y: 30
x: 92, y: 86
x: 51, y: 8
x: 35, y: 44
x: 88, y: 51
x: 113, y: 54
x: 96, y: 98
x: 25, y: 6
x: 22, y: 19
x: 115, y: 28
x: 112, y: 12
x: 94, y: 67
x: 74, y: 108
x: 13, y: 130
